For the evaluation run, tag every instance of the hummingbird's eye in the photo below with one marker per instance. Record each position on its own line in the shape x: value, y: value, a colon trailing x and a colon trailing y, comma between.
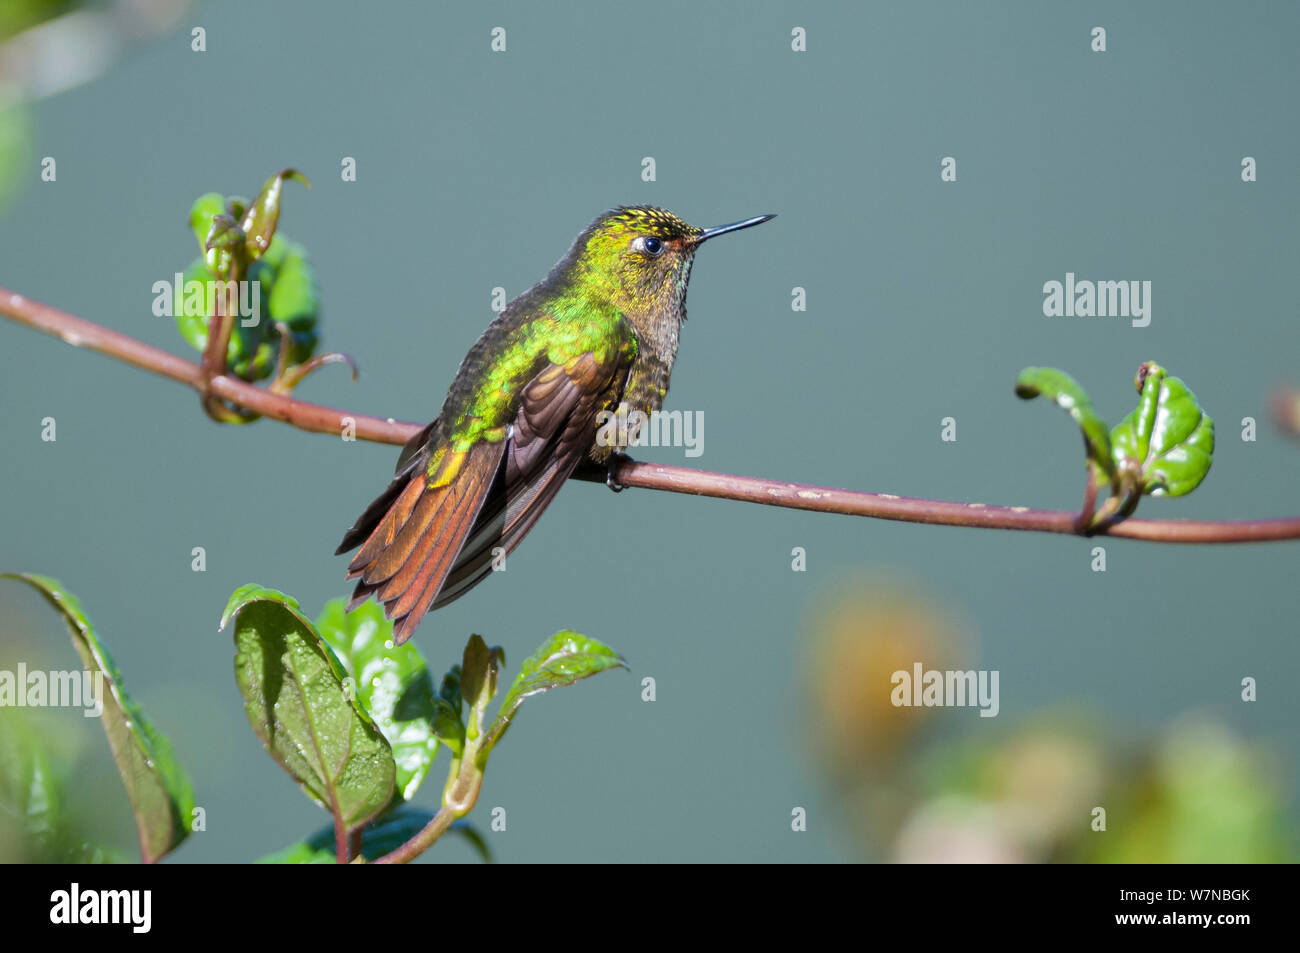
x: 651, y: 246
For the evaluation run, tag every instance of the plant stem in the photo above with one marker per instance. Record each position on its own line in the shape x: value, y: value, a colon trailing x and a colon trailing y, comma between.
x: 310, y: 417
x: 342, y: 851
x: 630, y: 473
x: 422, y: 841
x: 213, y: 362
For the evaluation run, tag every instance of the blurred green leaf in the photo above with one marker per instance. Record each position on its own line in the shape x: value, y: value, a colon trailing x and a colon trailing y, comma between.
x: 393, y: 684
x: 160, y: 794
x: 193, y: 309
x: 35, y: 826
x: 285, y: 294
x: 563, y: 659
x: 1066, y: 393
x: 17, y: 160
x: 19, y: 15
x: 29, y: 791
x: 1202, y: 796
x: 193, y: 305
x: 252, y: 351
x: 1167, y: 438
x: 292, y: 298
x: 300, y: 707
x: 202, y: 213
x: 238, y: 241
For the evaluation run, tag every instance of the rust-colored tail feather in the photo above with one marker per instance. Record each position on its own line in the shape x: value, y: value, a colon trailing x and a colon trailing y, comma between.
x: 413, y: 534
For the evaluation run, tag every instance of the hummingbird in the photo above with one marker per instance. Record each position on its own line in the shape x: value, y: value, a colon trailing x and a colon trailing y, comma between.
x: 598, y: 334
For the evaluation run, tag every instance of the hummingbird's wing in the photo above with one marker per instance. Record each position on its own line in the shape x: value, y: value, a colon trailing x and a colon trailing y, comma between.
x: 430, y: 536
x: 554, y: 428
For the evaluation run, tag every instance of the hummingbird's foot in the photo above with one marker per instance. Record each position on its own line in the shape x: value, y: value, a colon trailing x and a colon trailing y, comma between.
x: 611, y: 469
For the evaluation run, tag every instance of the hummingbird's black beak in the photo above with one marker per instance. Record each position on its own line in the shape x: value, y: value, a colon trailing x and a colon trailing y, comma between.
x: 733, y: 227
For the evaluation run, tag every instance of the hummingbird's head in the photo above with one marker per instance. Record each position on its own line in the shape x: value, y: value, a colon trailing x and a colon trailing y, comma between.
x: 640, y: 257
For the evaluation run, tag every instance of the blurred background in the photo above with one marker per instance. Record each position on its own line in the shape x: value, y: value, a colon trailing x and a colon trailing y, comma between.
x: 474, y: 170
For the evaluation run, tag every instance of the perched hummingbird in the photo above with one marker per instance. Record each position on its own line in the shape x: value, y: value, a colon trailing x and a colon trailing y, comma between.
x: 597, y: 333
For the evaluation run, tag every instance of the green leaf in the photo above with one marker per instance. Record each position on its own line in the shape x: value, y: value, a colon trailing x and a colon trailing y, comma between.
x: 15, y: 141
x: 34, y: 826
x: 252, y: 351
x: 479, y: 671
x: 202, y: 213
x: 474, y: 837
x: 263, y: 214
x: 393, y: 684
x: 29, y: 791
x: 160, y: 794
x: 294, y: 299
x: 563, y: 659
x: 1066, y: 393
x: 449, y: 691
x: 193, y: 305
x: 447, y: 724
x: 384, y: 836
x: 238, y: 240
x: 287, y: 293
x: 1167, y: 438
x: 302, y: 708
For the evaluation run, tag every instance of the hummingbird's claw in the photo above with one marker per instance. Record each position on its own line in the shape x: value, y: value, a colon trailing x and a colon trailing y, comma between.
x: 615, y: 461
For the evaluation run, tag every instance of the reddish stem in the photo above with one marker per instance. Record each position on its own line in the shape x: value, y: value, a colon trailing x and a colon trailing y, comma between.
x: 317, y: 419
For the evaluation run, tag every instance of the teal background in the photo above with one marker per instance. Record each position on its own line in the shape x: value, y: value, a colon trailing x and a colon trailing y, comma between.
x: 476, y: 170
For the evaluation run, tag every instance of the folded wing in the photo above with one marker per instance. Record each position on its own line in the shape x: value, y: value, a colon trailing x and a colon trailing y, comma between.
x: 434, y: 533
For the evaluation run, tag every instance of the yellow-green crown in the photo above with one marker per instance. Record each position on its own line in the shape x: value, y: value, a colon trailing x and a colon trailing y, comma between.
x: 648, y: 220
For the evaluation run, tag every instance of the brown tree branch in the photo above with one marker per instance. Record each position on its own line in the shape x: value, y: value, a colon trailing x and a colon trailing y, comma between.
x: 630, y: 473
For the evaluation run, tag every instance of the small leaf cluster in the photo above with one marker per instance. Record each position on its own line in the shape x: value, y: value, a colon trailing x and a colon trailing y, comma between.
x: 356, y: 721
x: 353, y: 718
x: 1163, y: 447
x: 238, y: 241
